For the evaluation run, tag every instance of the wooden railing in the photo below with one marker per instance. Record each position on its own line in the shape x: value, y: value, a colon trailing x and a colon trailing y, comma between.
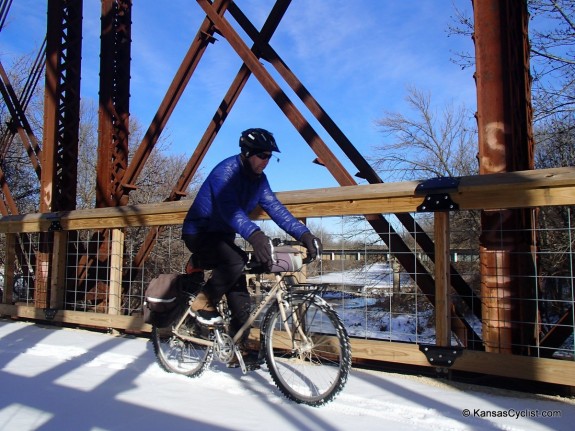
x: 528, y: 189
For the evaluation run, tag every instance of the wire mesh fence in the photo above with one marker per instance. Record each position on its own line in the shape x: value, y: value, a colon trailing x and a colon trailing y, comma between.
x: 381, y: 293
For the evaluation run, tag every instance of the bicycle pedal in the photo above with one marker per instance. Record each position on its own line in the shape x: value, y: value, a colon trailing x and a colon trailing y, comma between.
x: 249, y: 367
x: 253, y: 367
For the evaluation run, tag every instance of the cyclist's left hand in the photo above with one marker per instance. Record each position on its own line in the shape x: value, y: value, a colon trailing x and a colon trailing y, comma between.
x: 312, y: 244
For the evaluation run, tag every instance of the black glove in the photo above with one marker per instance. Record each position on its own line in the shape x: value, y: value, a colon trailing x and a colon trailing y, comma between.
x: 313, y: 245
x: 262, y: 246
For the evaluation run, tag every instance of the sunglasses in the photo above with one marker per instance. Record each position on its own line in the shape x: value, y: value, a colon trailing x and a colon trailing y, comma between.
x: 263, y: 156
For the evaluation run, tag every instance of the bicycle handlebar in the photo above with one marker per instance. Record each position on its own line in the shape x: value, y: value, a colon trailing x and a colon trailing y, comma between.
x: 253, y: 265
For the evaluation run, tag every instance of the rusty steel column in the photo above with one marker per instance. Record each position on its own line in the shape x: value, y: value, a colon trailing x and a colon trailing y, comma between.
x: 113, y: 133
x: 61, y: 106
x: 505, y: 145
x: 61, y: 124
x: 114, y: 104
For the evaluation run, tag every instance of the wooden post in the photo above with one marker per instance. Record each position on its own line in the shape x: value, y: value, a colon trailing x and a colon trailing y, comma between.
x: 116, y: 265
x: 442, y: 276
x: 58, y: 276
x: 9, y: 267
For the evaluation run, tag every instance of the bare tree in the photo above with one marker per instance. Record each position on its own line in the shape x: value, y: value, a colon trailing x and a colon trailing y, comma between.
x: 87, y: 155
x: 18, y: 172
x: 552, y: 62
x: 159, y: 175
x: 432, y: 143
x: 552, y: 39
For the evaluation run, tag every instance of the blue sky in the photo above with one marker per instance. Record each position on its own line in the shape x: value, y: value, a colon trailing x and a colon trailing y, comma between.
x: 357, y: 58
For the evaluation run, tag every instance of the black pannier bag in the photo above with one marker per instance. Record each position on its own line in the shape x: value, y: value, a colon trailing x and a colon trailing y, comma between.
x: 164, y: 295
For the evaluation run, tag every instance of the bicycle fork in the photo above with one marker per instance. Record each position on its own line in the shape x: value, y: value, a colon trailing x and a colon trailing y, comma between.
x: 304, y: 343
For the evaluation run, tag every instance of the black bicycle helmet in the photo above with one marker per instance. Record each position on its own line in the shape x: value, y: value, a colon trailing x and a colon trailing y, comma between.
x: 256, y: 140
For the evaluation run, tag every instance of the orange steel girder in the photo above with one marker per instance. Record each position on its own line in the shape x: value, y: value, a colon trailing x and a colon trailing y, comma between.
x: 113, y: 133
x: 18, y: 124
x: 328, y: 159
x: 61, y: 106
x: 114, y: 102
x: 214, y: 126
x: 204, y: 37
x: 507, y: 242
x: 61, y: 125
x: 378, y: 222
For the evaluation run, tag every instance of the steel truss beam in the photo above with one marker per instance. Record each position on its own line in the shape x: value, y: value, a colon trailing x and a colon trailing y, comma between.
x: 116, y: 178
x: 378, y: 222
x: 114, y: 105
x: 61, y: 105
x: 381, y: 226
x: 213, y: 127
x: 61, y: 126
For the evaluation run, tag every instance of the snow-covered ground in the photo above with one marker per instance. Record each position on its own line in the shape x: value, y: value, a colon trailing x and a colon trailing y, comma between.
x: 365, y: 306
x: 65, y: 379
x: 371, y: 278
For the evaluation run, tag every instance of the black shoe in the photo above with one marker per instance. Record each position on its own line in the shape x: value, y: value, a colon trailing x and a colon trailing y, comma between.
x: 252, y: 361
x: 206, y: 317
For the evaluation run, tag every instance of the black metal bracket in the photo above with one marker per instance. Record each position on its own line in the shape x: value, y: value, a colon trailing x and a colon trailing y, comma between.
x: 436, y: 192
x: 55, y: 226
x: 437, y: 202
x: 439, y: 356
x: 50, y: 313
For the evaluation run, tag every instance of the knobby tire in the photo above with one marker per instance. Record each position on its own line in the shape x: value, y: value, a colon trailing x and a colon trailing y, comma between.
x: 176, y: 355
x: 313, y: 369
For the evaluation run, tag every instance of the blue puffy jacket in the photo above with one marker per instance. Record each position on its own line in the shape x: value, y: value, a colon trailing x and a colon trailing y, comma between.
x: 227, y: 197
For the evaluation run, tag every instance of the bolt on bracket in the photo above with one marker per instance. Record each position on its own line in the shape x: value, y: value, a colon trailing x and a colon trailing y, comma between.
x: 436, y: 192
x: 440, y: 356
x: 50, y: 313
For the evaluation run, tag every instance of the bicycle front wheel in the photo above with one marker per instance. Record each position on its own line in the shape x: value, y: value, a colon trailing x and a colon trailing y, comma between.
x: 177, y: 355
x: 307, y: 349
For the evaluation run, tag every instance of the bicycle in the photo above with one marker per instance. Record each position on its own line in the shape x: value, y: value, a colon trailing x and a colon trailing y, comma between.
x: 304, y: 343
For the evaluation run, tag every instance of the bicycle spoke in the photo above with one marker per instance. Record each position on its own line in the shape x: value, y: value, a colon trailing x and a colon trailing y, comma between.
x: 309, y: 361
x: 176, y: 355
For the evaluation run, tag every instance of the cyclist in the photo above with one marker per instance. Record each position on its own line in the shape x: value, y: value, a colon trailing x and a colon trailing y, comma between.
x: 221, y: 210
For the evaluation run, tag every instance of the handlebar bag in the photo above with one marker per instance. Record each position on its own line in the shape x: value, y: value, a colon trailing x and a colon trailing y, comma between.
x: 287, y: 259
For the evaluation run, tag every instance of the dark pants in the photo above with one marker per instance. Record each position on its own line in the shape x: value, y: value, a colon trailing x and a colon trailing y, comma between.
x: 218, y: 252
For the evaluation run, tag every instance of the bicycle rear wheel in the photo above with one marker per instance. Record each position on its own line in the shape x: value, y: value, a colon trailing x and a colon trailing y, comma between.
x: 177, y: 355
x: 310, y: 362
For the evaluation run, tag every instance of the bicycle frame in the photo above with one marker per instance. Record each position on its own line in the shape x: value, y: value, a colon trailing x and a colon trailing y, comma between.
x: 303, y: 342
x: 276, y: 293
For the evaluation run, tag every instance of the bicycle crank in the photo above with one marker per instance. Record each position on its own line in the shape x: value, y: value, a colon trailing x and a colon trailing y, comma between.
x: 223, y: 347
